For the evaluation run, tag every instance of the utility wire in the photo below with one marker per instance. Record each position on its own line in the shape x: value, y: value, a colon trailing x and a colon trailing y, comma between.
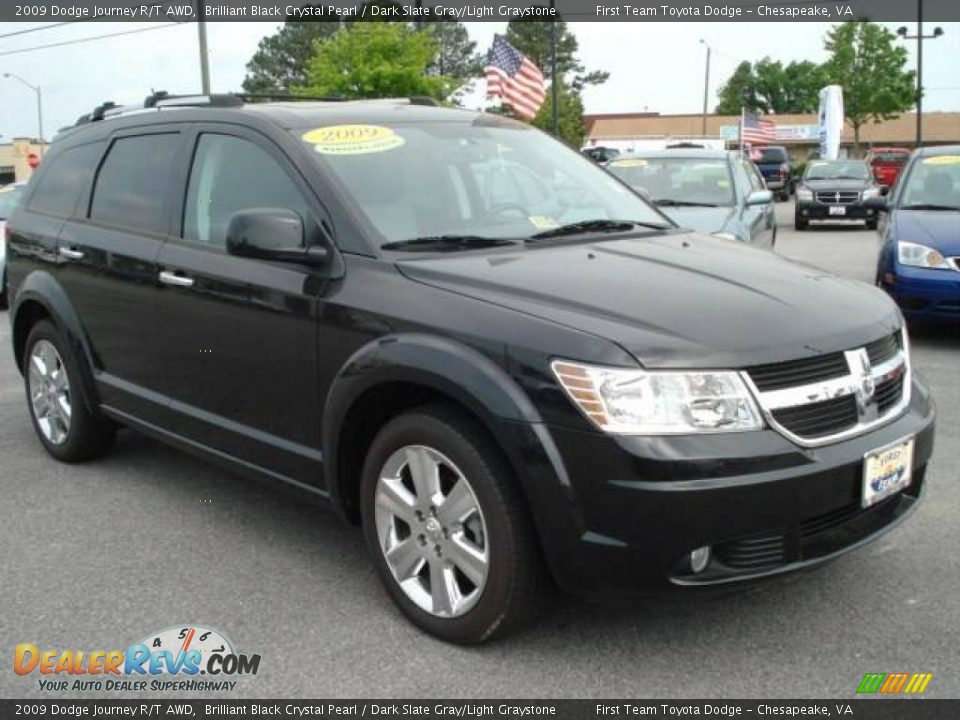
x: 35, y: 29
x: 90, y: 39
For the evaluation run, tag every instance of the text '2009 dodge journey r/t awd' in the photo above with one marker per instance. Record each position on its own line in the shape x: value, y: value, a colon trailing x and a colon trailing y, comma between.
x: 479, y: 345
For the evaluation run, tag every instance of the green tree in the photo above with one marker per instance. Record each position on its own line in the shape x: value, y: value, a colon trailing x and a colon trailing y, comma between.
x: 372, y: 60
x: 570, y: 125
x: 769, y: 87
x: 280, y: 61
x: 532, y: 38
x: 457, y: 54
x: 868, y: 64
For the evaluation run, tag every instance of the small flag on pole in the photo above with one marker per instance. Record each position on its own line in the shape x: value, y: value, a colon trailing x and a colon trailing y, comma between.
x: 753, y: 130
x: 514, y: 78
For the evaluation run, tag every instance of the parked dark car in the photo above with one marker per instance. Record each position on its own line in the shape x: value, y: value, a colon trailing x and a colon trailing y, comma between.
x: 600, y: 154
x: 9, y: 199
x: 919, y: 261
x: 886, y: 163
x: 712, y: 191
x: 329, y: 297
x: 773, y: 162
x: 836, y: 190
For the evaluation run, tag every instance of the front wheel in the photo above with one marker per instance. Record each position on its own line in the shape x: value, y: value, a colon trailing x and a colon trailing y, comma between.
x: 448, y: 528
x: 799, y: 223
x: 871, y: 224
x: 59, y: 409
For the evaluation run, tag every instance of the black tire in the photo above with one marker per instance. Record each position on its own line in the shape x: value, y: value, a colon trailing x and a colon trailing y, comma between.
x: 784, y: 196
x: 89, y: 435
x: 799, y: 223
x: 515, y: 576
x: 4, y: 301
x: 871, y: 224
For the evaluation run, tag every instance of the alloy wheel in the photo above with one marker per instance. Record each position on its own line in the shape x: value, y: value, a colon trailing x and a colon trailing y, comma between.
x: 431, y: 531
x: 49, y: 392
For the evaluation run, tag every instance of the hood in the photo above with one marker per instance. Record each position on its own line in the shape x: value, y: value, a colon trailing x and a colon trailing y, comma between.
x: 706, y: 219
x: 939, y: 229
x: 677, y: 300
x: 837, y: 184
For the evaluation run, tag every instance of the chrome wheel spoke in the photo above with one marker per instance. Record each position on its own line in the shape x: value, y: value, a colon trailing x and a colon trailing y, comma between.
x: 405, y: 558
x: 424, y: 472
x: 470, y: 560
x: 393, y: 498
x: 444, y: 591
x: 458, y: 505
x: 49, y: 392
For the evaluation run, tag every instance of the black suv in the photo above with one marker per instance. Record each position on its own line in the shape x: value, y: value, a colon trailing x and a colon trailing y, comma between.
x: 836, y: 190
x: 773, y: 162
x: 466, y: 337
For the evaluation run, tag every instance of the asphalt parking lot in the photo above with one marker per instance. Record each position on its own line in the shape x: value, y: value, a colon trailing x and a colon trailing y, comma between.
x: 97, y: 556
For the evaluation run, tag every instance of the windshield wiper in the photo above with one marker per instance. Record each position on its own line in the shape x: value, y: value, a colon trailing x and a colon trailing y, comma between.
x: 670, y: 202
x: 929, y: 206
x: 446, y: 243
x: 596, y: 226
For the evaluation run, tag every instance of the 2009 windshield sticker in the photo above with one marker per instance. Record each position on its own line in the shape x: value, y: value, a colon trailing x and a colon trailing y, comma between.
x: 629, y: 162
x: 942, y: 160
x: 352, y: 139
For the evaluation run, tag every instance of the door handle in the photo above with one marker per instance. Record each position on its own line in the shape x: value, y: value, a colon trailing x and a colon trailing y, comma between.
x: 169, y: 278
x: 70, y: 253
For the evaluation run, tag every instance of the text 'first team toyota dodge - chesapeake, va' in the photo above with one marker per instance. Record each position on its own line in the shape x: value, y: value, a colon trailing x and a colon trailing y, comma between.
x: 489, y: 352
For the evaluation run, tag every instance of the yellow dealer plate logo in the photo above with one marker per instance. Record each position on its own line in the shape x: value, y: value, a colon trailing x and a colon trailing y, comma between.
x: 352, y: 139
x: 942, y: 160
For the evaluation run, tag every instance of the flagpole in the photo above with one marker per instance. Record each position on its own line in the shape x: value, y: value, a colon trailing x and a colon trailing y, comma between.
x: 742, y: 146
x: 554, y: 120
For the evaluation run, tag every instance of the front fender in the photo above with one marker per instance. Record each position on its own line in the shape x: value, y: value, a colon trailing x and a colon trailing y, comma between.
x: 42, y: 288
x: 450, y: 368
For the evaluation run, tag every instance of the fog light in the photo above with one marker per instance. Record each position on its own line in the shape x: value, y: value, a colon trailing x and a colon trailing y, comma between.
x: 699, y: 559
x: 804, y: 212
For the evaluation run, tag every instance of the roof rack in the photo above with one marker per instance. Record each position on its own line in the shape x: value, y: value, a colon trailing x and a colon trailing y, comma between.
x: 162, y: 99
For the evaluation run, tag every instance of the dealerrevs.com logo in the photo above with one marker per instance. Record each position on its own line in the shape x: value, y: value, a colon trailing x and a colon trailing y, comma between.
x: 170, y: 660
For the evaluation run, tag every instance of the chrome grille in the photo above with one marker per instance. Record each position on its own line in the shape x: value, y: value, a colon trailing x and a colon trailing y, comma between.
x: 819, y: 400
x: 837, y: 197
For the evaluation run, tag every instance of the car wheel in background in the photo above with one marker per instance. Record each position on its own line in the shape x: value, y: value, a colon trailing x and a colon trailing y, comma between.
x: 4, y: 300
x: 58, y: 406
x: 784, y: 196
x: 799, y: 223
x: 448, y: 528
x: 871, y: 224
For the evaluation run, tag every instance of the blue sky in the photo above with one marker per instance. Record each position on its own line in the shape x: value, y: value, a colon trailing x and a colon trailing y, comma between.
x: 653, y: 66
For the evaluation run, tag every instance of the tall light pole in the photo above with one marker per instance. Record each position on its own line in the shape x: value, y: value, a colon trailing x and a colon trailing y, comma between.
x: 36, y: 89
x: 204, y: 53
x: 919, y: 37
x: 706, y: 88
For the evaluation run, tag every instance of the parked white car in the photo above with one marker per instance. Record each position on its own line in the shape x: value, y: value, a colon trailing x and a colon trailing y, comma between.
x: 9, y: 198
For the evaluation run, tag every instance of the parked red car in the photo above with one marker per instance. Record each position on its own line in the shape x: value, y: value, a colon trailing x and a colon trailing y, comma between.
x: 886, y: 163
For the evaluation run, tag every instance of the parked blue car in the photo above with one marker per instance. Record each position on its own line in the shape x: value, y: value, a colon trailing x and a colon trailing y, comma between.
x: 919, y: 263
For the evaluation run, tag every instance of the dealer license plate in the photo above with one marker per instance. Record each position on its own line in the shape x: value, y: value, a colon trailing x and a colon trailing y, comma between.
x: 887, y: 471
x: 838, y: 210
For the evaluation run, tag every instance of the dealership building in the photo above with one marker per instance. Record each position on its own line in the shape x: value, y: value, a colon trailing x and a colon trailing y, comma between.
x: 798, y: 132
x: 15, y: 159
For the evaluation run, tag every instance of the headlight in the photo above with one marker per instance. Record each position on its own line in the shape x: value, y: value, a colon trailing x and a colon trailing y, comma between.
x: 870, y: 193
x: 639, y: 402
x: 726, y: 236
x: 917, y: 255
x: 804, y: 194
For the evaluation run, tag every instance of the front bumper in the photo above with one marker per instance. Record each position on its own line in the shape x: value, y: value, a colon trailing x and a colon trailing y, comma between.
x: 764, y: 505
x: 923, y: 293
x: 819, y: 211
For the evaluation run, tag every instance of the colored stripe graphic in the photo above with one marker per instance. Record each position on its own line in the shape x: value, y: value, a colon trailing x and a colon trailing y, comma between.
x: 918, y: 682
x: 871, y: 682
x: 893, y: 683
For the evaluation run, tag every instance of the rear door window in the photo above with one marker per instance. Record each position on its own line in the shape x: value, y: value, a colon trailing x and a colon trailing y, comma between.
x: 62, y: 181
x: 133, y: 183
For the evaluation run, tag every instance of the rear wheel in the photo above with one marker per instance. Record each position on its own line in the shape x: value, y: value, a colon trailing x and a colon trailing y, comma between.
x: 3, y: 290
x: 448, y: 528
x: 799, y: 223
x: 58, y: 406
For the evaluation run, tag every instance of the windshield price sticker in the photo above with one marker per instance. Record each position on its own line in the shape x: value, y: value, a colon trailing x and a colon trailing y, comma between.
x: 352, y: 139
x: 942, y: 160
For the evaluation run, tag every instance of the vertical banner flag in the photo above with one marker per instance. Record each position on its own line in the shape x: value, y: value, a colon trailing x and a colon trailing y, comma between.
x: 831, y: 121
x: 514, y: 78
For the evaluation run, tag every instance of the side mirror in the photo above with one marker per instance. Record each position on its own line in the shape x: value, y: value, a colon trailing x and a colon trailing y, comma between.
x: 759, y: 197
x: 878, y: 203
x: 271, y: 234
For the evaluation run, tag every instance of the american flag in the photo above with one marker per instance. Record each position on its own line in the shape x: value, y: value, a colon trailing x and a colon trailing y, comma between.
x: 514, y: 78
x: 755, y: 130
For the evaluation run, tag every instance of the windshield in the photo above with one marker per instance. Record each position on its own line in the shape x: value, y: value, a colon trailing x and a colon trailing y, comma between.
x: 934, y: 181
x: 702, y: 181
x: 491, y: 178
x: 890, y: 158
x: 846, y: 169
x: 9, y: 199
x: 768, y: 155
